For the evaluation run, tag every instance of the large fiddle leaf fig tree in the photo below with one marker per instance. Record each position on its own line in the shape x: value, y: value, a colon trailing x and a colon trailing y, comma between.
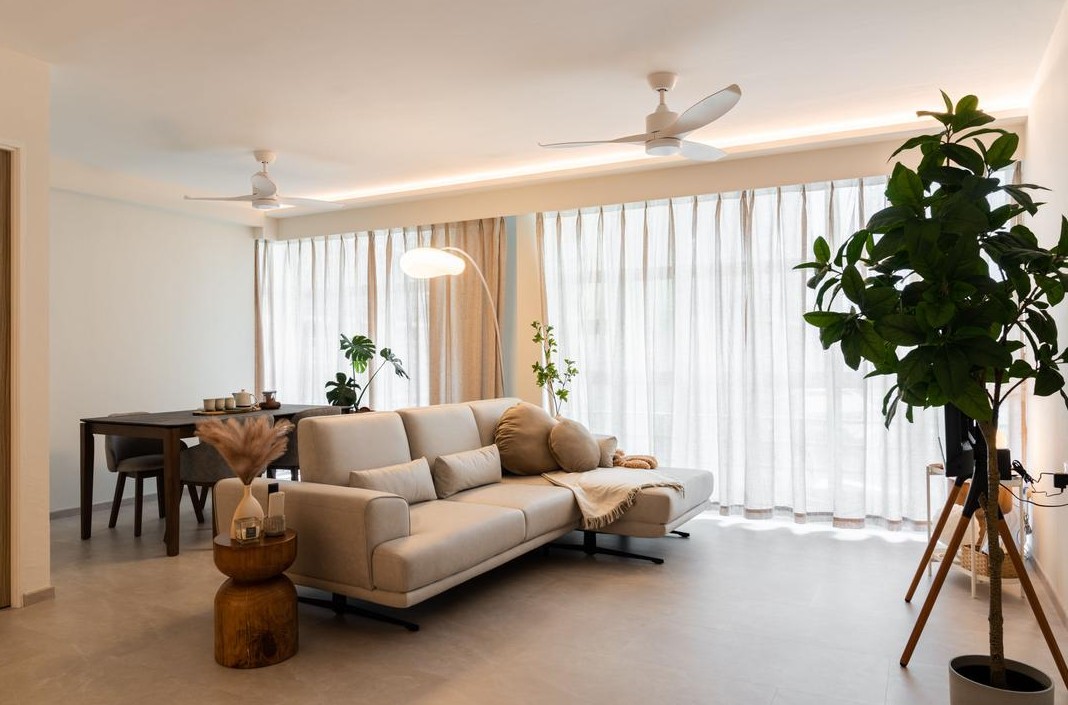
x: 950, y: 295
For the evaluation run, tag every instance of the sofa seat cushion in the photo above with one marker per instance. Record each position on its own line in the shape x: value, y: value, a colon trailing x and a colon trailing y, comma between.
x: 660, y: 505
x: 545, y: 507
x: 655, y: 505
x: 446, y: 538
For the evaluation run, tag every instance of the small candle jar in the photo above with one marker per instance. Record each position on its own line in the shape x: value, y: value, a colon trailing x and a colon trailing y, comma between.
x: 247, y: 529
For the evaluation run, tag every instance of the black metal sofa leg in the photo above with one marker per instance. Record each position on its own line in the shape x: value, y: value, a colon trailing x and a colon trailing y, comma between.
x: 590, y: 548
x: 340, y: 604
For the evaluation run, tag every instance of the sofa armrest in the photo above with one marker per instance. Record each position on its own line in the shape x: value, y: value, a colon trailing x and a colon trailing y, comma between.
x: 337, y: 528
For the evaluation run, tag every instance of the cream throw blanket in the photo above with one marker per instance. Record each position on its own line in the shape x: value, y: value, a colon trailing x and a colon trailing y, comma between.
x: 604, y: 494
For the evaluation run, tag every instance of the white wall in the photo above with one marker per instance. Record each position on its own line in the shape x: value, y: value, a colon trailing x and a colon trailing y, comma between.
x: 24, y: 88
x: 1046, y: 163
x: 151, y: 311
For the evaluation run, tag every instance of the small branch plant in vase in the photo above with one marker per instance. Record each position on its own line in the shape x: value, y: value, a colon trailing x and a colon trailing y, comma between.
x: 547, y: 374
x: 360, y: 351
x: 951, y: 297
x: 247, y: 447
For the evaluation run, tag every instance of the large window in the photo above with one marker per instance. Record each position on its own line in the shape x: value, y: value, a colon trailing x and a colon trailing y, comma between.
x: 685, y: 318
x: 311, y: 290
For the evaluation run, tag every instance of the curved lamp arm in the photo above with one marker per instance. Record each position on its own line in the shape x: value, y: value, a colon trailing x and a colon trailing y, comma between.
x: 439, y: 268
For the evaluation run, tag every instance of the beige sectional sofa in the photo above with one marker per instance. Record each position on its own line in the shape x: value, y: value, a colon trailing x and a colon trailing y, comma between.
x: 373, y: 546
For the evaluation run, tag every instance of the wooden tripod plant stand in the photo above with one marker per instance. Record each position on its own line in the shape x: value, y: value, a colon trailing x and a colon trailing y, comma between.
x: 971, y: 505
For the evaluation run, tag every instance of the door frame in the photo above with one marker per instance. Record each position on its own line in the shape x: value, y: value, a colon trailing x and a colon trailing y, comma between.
x: 9, y: 532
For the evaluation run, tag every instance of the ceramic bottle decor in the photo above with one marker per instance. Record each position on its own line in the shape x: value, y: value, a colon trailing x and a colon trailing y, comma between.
x: 248, y: 508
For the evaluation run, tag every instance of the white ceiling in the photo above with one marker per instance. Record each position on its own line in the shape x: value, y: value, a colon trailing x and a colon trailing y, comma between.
x: 360, y: 98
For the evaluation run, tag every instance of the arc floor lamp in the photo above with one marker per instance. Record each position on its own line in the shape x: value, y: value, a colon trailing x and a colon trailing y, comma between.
x: 430, y: 262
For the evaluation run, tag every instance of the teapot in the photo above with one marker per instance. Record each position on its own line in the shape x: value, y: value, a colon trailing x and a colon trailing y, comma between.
x: 243, y: 398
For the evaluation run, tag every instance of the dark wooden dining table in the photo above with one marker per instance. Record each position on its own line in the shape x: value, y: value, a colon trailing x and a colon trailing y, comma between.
x: 170, y: 427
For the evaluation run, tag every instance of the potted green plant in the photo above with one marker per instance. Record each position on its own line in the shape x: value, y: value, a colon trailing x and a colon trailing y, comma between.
x: 546, y: 374
x: 360, y: 351
x: 952, y: 297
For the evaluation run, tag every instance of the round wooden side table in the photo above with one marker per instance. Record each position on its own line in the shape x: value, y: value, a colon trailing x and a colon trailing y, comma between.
x: 256, y: 609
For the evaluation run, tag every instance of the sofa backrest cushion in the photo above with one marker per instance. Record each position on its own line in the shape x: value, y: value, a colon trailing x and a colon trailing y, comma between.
x: 333, y: 446
x: 487, y: 413
x: 466, y: 470
x: 411, y: 480
x: 440, y: 430
x: 607, y: 445
x: 573, y: 446
x: 523, y: 439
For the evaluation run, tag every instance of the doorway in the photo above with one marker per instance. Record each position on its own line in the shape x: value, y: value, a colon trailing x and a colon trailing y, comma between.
x: 6, y: 234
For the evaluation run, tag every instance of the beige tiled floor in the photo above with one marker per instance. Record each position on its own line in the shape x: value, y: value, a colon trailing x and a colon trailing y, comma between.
x: 743, y: 612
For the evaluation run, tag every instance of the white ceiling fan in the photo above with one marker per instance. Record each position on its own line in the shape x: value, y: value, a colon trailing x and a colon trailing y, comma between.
x: 665, y: 130
x: 264, y: 194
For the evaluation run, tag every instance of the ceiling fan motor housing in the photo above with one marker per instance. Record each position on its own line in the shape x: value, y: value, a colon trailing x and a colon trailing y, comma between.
x: 660, y: 119
x: 266, y: 204
x: 663, y: 146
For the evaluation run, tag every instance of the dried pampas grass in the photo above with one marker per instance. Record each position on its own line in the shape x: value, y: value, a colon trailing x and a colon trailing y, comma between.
x: 247, y: 446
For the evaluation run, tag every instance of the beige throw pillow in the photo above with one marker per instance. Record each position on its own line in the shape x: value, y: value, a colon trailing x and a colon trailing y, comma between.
x: 457, y: 472
x: 573, y: 446
x: 608, y: 445
x: 412, y: 481
x: 522, y: 437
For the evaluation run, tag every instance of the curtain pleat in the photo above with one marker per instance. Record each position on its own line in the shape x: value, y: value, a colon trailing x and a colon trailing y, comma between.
x: 312, y: 290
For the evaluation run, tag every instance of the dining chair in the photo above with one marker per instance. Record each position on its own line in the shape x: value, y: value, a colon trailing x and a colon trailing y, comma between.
x: 290, y: 460
x: 138, y: 458
x: 201, y: 466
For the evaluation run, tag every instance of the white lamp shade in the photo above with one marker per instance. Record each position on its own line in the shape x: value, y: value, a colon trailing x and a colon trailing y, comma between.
x: 429, y: 262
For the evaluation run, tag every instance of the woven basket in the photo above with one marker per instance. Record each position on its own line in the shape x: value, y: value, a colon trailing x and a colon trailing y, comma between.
x: 982, y: 563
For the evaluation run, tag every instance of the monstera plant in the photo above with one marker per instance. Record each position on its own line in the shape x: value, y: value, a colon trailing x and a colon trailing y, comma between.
x: 360, y: 351
x: 950, y: 295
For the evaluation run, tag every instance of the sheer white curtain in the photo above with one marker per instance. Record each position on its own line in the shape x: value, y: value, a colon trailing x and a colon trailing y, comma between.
x: 685, y: 319
x: 311, y: 290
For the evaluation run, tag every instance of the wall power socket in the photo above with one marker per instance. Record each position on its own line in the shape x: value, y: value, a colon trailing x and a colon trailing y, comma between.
x: 1060, y: 480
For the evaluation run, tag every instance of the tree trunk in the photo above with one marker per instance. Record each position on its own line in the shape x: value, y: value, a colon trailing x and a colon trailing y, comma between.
x: 993, y: 488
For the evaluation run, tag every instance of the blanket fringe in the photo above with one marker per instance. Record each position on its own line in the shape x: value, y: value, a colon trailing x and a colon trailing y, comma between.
x: 594, y: 523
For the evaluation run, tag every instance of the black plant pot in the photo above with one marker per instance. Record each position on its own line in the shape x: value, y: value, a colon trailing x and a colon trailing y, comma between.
x: 969, y: 677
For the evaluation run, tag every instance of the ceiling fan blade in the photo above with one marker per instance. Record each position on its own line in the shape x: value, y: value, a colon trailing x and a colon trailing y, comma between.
x: 221, y: 198
x: 698, y: 152
x: 705, y: 111
x: 262, y: 186
x: 287, y: 201
x: 629, y: 139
